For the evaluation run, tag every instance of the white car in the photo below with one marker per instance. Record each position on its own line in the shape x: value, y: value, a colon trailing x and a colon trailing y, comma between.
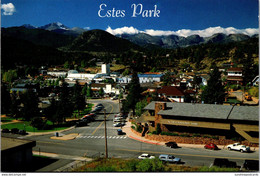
x: 238, y: 147
x: 118, y: 118
x: 146, y: 156
x: 117, y: 125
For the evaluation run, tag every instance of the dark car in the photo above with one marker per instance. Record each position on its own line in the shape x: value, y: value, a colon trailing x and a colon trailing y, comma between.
x: 100, y: 105
x: 119, y: 132
x: 5, y: 130
x: 99, y: 108
x: 82, y: 123
x: 15, y: 130
x: 251, y: 165
x: 211, y: 146
x: 22, y: 132
x: 171, y: 144
x: 223, y: 162
x: 89, y: 117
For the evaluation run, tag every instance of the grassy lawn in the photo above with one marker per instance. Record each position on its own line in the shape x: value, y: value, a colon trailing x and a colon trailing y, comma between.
x: 84, y: 112
x: 26, y: 125
x: 232, y: 100
x: 7, y: 119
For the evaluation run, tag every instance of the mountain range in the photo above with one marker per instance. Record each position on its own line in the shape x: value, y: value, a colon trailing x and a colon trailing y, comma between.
x: 175, y: 41
x: 58, y: 28
x: 59, y: 35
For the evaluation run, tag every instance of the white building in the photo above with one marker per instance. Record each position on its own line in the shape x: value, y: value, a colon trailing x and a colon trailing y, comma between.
x: 74, y: 74
x: 105, y: 68
x: 143, y: 78
x: 57, y: 73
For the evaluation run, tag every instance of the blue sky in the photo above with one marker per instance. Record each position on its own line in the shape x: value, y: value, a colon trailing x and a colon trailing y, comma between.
x: 174, y: 14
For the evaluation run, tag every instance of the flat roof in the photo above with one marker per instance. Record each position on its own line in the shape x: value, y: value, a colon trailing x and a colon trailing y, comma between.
x: 12, y: 143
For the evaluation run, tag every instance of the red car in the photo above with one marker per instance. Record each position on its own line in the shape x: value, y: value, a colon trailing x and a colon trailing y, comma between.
x: 211, y: 146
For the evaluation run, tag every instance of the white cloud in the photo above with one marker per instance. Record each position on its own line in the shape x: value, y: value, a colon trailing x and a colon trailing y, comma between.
x: 123, y: 30
x: 184, y: 32
x: 9, y: 9
x: 87, y: 28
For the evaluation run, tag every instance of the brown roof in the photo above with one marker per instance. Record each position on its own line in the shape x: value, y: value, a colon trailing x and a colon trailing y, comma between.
x: 171, y: 90
x: 155, y: 73
x: 235, y: 69
x: 236, y: 78
x: 189, y: 91
x: 98, y: 85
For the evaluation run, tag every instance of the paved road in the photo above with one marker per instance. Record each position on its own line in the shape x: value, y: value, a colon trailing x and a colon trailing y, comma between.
x: 91, y: 143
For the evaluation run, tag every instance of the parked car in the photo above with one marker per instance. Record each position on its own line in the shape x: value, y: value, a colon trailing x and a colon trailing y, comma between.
x: 238, y: 147
x: 90, y: 117
x: 223, y: 162
x: 22, y: 132
x: 100, y: 105
x: 81, y: 123
x: 14, y: 130
x: 5, y: 130
x: 118, y: 118
x: 251, y: 165
x: 114, y: 98
x: 211, y: 146
x: 146, y: 156
x: 169, y: 158
x: 171, y: 144
x: 99, y: 108
x: 119, y: 132
x: 117, y: 124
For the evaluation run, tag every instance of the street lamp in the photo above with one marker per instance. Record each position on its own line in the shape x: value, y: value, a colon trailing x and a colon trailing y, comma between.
x: 105, y: 133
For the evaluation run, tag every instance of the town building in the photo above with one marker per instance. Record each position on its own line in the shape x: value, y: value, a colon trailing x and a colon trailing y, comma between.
x: 57, y: 73
x: 234, y: 75
x: 105, y: 68
x: 143, y: 78
x: 221, y: 120
x: 174, y: 94
x: 16, y: 154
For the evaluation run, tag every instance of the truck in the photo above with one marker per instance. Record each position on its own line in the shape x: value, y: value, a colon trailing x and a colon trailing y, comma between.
x: 169, y: 158
x: 238, y: 147
x: 248, y: 97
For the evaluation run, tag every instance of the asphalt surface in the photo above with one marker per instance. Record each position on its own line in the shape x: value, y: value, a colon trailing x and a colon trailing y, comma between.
x: 91, y: 143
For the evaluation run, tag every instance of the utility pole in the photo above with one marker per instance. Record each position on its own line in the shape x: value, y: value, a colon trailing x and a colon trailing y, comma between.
x: 105, y: 133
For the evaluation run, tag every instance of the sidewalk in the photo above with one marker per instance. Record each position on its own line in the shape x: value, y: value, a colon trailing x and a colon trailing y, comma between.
x: 130, y: 134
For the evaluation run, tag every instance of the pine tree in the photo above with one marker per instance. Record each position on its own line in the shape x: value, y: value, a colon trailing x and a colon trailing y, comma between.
x: 65, y: 106
x: 214, y: 91
x: 101, y: 92
x: 30, y: 102
x: 78, y: 100
x: 134, y: 93
x: 5, y: 99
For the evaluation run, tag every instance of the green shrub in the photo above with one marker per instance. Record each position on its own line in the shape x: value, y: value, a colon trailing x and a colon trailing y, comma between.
x: 131, y: 166
x: 150, y: 165
x: 154, y: 132
x: 158, y: 128
x: 105, y: 169
x: 139, y: 129
x: 169, y: 134
x: 206, y: 136
x: 196, y: 135
x: 217, y: 169
x: 215, y: 137
x: 184, y: 135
